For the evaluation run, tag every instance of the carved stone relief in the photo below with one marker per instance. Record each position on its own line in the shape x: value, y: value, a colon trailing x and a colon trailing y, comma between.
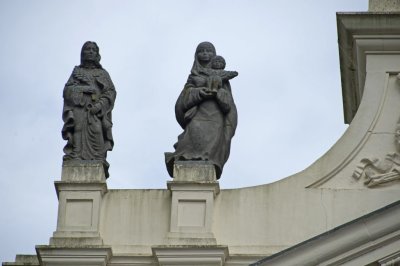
x: 377, y: 172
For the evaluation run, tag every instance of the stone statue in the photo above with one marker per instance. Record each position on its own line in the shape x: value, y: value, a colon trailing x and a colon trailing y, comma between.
x: 89, y: 96
x: 206, y: 111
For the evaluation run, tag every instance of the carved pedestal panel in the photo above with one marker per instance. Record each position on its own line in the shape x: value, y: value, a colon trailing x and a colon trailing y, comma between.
x: 193, y: 191
x: 79, y: 194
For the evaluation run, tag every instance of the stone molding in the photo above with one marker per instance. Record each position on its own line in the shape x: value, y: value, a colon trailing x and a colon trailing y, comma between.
x: 68, y: 186
x: 212, y: 186
x: 72, y: 256
x: 126, y: 260
x: 190, y: 255
x: 357, y: 33
x: 23, y: 260
x: 359, y: 242
x: 392, y: 260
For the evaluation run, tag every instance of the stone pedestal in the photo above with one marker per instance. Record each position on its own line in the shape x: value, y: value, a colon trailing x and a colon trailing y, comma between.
x: 194, y: 171
x: 193, y: 191
x: 79, y: 192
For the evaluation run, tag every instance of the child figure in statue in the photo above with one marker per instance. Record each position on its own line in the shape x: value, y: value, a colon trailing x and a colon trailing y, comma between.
x: 217, y: 74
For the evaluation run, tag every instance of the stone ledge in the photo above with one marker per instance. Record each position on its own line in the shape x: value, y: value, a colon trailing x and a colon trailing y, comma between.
x: 75, y: 241
x: 194, y: 186
x: 190, y: 255
x: 85, y: 255
x: 80, y: 186
x: 23, y: 260
x: 353, y: 25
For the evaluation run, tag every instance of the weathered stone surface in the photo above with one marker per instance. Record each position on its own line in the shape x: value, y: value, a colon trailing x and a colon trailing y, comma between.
x: 206, y: 111
x: 358, y: 35
x: 192, y: 213
x: 384, y: 5
x: 191, y: 255
x: 82, y: 171
x: 194, y: 171
x: 78, y: 217
x: 79, y: 209
x: 89, y: 96
x: 23, y: 260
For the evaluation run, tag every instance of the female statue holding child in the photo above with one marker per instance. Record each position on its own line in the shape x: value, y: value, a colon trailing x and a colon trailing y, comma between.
x: 206, y: 111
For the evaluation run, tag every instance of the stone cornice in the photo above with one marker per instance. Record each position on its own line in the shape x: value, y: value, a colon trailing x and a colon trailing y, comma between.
x: 355, y: 26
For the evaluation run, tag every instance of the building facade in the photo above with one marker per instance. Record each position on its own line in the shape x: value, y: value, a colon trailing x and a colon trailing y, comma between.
x: 342, y: 210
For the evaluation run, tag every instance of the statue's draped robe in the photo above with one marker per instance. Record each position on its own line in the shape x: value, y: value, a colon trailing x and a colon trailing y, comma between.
x: 88, y: 135
x: 209, y: 125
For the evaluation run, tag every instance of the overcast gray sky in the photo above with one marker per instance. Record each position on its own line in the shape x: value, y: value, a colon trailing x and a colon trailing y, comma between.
x: 288, y: 92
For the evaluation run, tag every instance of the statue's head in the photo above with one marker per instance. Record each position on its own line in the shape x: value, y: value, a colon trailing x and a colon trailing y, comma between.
x: 90, y: 54
x: 218, y: 62
x: 205, y: 51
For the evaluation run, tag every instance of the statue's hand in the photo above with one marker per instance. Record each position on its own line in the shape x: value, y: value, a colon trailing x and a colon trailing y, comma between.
x: 223, y: 100
x: 234, y: 74
x: 222, y: 94
x: 94, y: 109
x: 88, y: 90
x: 206, y: 93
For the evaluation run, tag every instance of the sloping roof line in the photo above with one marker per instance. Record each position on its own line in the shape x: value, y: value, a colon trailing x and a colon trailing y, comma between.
x: 336, y: 241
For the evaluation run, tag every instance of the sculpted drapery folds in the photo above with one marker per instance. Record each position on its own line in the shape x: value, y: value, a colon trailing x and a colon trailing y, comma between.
x: 89, y: 96
x: 207, y: 115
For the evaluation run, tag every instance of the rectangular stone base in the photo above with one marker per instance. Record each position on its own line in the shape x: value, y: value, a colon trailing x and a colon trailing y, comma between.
x: 192, y: 206
x: 79, y: 196
x: 79, y: 170
x: 194, y: 171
